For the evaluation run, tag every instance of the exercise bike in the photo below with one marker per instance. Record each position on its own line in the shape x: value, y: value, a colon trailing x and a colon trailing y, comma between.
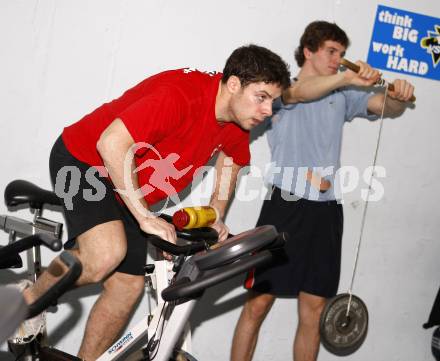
x: 158, y: 333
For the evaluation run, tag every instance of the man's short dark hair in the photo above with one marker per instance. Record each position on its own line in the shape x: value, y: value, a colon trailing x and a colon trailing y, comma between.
x: 254, y: 64
x: 315, y: 34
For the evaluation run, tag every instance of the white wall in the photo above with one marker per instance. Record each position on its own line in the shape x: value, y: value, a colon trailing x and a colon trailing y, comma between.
x: 60, y: 59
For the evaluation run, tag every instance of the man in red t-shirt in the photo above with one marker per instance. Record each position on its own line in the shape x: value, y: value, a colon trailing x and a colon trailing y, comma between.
x: 147, y: 145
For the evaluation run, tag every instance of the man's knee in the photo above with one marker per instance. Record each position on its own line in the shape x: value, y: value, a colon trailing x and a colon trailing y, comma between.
x: 99, y: 263
x: 101, y: 250
x: 258, y: 306
x: 125, y: 286
x: 106, y: 263
x: 310, y: 308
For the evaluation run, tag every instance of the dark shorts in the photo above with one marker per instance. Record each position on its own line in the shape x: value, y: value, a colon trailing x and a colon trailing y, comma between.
x: 89, y: 200
x: 311, y: 259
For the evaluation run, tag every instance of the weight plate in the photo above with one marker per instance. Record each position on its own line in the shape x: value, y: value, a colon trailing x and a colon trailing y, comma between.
x: 341, y: 334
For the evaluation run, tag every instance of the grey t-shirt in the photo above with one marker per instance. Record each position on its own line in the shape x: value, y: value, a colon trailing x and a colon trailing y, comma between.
x: 308, y: 135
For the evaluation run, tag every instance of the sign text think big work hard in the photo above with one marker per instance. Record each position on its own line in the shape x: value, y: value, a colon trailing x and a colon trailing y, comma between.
x: 405, y: 42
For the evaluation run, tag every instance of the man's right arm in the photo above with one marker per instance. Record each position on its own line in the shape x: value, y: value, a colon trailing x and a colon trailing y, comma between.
x: 115, y: 147
x: 309, y: 88
x: 312, y: 87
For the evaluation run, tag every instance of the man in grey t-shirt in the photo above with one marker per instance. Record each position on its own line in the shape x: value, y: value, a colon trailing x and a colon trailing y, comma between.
x: 305, y: 141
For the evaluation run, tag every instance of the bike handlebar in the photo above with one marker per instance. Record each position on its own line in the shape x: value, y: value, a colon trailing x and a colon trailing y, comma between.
x: 59, y: 288
x: 25, y: 243
x: 187, y: 288
x: 201, y: 239
x: 184, y: 288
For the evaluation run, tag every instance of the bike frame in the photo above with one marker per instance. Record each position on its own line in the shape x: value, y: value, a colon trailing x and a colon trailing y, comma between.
x: 146, y: 330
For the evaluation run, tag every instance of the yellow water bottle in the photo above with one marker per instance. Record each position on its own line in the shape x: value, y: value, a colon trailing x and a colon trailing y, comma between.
x: 195, y: 217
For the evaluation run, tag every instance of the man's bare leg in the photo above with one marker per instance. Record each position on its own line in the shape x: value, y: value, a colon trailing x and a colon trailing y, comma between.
x: 110, y: 313
x: 246, y: 332
x: 101, y: 250
x: 306, y: 344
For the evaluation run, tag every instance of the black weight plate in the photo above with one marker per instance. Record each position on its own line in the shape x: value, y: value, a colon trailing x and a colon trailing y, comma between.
x: 342, y: 335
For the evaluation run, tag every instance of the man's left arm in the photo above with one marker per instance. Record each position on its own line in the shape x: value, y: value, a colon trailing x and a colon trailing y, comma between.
x: 226, y: 179
x: 396, y: 101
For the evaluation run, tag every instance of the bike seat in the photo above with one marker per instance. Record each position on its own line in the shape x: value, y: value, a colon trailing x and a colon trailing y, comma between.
x: 21, y: 192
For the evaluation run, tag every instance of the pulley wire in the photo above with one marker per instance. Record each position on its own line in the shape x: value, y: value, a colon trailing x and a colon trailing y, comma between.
x: 368, y: 196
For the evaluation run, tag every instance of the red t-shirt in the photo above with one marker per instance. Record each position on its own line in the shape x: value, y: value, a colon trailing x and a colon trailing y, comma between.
x: 172, y: 116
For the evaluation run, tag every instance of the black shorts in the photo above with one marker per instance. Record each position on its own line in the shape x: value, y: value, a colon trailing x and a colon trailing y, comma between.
x: 311, y: 260
x: 90, y: 201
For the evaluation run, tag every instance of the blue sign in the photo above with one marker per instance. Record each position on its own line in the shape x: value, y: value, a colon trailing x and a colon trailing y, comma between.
x: 405, y: 42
